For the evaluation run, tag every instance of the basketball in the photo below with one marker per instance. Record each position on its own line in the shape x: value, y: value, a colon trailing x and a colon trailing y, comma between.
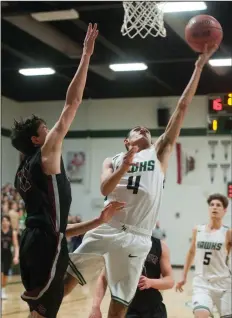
x: 201, y: 30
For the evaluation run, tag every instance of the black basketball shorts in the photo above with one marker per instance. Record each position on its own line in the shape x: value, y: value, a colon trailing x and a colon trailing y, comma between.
x: 43, y: 263
x: 158, y: 312
x: 6, y: 262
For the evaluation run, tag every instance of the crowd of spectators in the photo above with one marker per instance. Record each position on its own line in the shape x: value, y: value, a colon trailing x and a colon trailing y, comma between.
x: 13, y: 206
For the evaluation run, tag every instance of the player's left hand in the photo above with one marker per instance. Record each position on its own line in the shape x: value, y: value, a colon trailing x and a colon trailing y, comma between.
x: 205, y: 56
x: 144, y: 283
x: 15, y: 260
x: 90, y: 38
x: 111, y: 209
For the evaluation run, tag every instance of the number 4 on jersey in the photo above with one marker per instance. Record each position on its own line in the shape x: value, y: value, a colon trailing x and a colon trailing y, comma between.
x: 133, y: 184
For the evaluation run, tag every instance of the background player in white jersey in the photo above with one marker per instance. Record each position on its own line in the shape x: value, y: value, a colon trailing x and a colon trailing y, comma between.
x: 136, y: 178
x: 211, y: 245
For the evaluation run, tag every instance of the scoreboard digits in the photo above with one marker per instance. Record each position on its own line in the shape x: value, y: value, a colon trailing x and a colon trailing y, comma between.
x: 220, y: 114
x: 220, y: 104
x: 229, y: 100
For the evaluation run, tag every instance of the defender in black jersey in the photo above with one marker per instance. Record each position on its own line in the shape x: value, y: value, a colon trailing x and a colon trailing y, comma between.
x: 42, y: 183
x: 148, y: 301
x: 9, y: 238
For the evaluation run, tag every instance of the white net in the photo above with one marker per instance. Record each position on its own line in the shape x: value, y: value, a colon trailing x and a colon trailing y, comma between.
x: 143, y: 18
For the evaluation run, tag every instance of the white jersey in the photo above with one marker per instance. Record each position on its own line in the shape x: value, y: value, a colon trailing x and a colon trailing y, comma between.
x: 211, y: 254
x: 141, y: 188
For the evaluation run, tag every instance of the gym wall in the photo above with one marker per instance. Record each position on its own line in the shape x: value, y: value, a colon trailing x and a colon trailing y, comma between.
x: 99, y: 129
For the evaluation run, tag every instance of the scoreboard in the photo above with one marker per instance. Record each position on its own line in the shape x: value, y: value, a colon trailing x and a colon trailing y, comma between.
x: 220, y: 114
x: 229, y: 190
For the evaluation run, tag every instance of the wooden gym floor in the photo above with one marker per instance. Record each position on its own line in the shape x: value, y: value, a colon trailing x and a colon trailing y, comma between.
x: 78, y: 303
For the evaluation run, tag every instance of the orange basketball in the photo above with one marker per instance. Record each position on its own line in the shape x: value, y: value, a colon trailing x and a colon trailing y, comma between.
x: 201, y: 30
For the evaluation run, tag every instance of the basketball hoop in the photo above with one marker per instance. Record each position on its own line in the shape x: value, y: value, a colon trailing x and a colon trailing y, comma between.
x: 143, y: 18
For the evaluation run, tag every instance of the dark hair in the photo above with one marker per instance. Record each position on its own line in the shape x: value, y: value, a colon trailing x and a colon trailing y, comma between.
x: 5, y: 217
x: 22, y: 132
x: 220, y: 197
x: 129, y: 131
x: 127, y: 136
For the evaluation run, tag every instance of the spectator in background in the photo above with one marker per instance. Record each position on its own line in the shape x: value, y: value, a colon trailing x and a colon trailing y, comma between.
x: 5, y: 207
x: 22, y: 219
x: 8, y: 239
x: 14, y: 215
x: 158, y: 232
x: 6, y: 189
x: 4, y: 198
x: 13, y: 206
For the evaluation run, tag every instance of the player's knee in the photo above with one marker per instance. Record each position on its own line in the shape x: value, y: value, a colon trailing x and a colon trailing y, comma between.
x: 201, y: 314
x: 69, y: 284
x: 116, y: 309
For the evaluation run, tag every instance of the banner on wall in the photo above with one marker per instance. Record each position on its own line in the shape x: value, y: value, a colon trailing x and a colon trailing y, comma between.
x: 185, y: 163
x: 76, y: 166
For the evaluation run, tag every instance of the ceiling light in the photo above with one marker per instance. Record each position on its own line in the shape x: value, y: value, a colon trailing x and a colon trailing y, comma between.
x: 36, y: 71
x: 128, y: 67
x: 55, y: 15
x: 168, y: 7
x: 220, y: 62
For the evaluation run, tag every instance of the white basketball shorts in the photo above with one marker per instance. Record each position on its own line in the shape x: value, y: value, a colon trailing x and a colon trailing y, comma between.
x: 121, y: 250
x: 207, y: 294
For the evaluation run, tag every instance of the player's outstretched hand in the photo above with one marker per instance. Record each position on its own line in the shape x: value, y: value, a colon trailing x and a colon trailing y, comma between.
x: 129, y: 156
x: 111, y: 209
x: 205, y: 56
x: 179, y: 286
x: 90, y: 38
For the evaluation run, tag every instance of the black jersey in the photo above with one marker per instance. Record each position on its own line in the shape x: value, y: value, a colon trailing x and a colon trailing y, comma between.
x: 148, y: 299
x: 6, y: 241
x: 47, y: 198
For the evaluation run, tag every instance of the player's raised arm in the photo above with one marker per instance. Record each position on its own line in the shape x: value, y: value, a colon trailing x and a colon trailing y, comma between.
x: 165, y: 143
x: 74, y: 95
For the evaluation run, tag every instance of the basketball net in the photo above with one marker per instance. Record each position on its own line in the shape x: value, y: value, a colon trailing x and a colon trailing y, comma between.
x: 143, y: 18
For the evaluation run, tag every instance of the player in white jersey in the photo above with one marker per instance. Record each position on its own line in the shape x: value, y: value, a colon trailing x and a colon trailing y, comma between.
x: 141, y: 187
x: 136, y: 178
x: 211, y: 247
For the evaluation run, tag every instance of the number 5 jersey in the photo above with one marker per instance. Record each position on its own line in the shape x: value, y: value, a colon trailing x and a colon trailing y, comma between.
x: 141, y: 188
x: 211, y: 260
